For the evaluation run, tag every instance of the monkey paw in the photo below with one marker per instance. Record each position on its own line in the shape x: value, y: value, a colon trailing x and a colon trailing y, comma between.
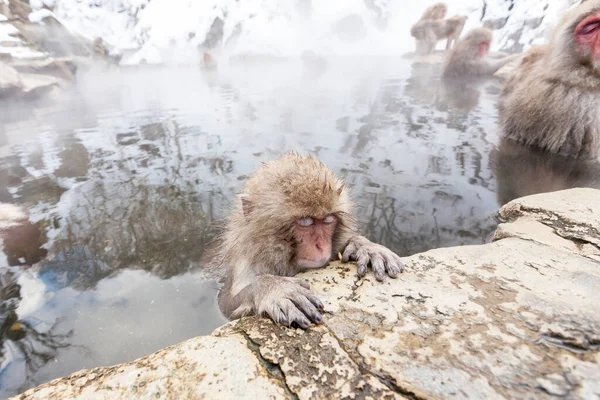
x: 289, y: 302
x: 381, y: 259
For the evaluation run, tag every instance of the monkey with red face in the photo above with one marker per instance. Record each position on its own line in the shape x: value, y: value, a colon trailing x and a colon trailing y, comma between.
x: 435, y: 12
x: 294, y: 215
x: 552, y: 101
x: 469, y: 56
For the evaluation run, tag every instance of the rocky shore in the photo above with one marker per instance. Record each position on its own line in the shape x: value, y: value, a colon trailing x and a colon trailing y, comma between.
x: 38, y: 54
x: 515, y: 318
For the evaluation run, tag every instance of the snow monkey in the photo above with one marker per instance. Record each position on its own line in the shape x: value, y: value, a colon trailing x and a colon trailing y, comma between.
x: 428, y: 32
x: 436, y: 11
x: 469, y: 57
x: 531, y: 57
x: 553, y: 101
x: 293, y: 215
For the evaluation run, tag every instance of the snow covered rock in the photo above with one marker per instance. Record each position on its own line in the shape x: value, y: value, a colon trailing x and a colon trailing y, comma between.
x: 10, y: 81
x: 161, y: 31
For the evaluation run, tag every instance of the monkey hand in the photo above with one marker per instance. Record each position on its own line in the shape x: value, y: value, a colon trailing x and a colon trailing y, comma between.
x: 287, y: 301
x: 382, y: 259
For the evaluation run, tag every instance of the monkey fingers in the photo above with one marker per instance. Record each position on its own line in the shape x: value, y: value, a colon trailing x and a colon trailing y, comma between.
x: 349, y: 253
x: 365, y: 252
x: 292, y: 314
x: 299, y: 281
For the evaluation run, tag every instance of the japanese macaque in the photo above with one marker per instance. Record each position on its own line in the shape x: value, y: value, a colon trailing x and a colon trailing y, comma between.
x: 208, y: 62
x: 469, y: 57
x: 428, y: 32
x: 552, y: 102
x: 531, y: 57
x: 436, y: 11
x: 293, y: 215
x: 98, y: 48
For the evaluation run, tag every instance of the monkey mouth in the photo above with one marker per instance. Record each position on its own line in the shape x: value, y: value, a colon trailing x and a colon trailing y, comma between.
x: 312, y: 262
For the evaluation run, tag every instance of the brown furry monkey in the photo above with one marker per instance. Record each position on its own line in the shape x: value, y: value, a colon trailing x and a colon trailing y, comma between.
x: 553, y: 102
x: 428, y: 32
x: 531, y: 57
x: 469, y: 57
x: 294, y: 215
x: 208, y: 62
x: 436, y: 11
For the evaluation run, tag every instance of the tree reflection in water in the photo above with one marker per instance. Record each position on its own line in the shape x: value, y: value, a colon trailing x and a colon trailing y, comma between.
x: 126, y: 182
x: 20, y: 338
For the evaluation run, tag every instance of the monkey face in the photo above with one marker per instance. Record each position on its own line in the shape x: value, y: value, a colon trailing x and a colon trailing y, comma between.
x: 483, y: 48
x: 587, y: 36
x: 314, y: 237
x: 440, y: 12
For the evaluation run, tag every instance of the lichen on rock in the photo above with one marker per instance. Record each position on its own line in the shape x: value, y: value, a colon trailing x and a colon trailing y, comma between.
x: 516, y: 318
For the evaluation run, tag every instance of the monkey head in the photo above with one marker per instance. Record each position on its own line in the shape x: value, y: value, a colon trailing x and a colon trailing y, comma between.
x: 436, y: 11
x: 576, y: 41
x: 439, y: 11
x: 300, y: 201
x: 478, y: 40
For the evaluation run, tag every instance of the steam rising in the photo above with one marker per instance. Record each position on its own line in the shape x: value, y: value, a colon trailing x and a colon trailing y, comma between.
x: 170, y: 30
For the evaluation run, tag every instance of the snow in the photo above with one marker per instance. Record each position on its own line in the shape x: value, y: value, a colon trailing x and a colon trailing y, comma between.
x: 39, y: 15
x: 171, y: 30
x: 14, y: 48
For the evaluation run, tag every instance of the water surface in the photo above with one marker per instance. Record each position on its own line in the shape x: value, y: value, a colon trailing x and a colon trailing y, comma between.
x: 126, y: 175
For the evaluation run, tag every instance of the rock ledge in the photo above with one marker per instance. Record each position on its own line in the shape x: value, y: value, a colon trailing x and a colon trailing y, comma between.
x: 515, y: 318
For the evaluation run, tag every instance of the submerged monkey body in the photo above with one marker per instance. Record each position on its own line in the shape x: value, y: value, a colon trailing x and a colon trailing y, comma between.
x: 469, y: 56
x: 572, y: 128
x: 293, y: 215
x: 552, y: 101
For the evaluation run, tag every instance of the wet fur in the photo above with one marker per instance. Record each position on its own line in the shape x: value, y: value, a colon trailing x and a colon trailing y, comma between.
x: 257, y: 249
x: 464, y: 60
x: 552, y: 102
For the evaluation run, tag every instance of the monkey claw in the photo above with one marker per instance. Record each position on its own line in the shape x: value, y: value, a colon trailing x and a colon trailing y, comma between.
x: 515, y: 318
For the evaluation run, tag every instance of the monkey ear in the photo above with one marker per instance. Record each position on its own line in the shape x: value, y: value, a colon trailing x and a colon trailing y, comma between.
x: 340, y: 188
x: 247, y: 205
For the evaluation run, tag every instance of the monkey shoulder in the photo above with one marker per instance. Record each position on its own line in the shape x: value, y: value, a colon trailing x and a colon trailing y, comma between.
x: 552, y: 114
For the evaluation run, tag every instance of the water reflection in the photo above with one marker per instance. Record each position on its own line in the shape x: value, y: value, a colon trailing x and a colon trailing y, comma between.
x: 126, y: 178
x: 521, y: 171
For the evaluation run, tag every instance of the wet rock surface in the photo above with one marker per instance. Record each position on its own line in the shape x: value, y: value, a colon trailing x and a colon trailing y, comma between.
x: 516, y: 318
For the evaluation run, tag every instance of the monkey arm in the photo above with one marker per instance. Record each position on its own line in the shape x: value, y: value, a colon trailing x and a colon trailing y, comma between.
x: 382, y: 259
x: 498, y: 54
x: 285, y: 300
x: 489, y: 66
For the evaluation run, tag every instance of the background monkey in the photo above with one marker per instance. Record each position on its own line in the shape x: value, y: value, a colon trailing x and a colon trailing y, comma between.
x: 469, y: 57
x: 293, y: 215
x: 552, y: 102
x: 428, y: 32
x: 436, y: 11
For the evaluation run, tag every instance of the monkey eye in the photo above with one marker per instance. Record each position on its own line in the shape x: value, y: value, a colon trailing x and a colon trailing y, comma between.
x: 590, y: 28
x: 306, y: 221
x: 329, y: 219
